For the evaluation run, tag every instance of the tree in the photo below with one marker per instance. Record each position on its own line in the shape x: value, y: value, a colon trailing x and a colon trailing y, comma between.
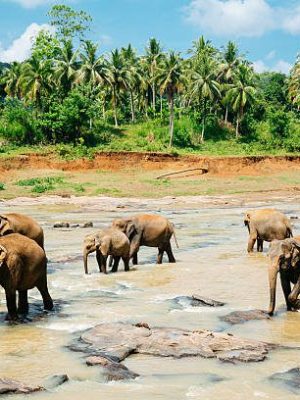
x: 171, y: 82
x: 66, y: 66
x: 154, y: 56
x: 241, y: 92
x: 203, y: 85
x: 227, y: 68
x: 12, y: 80
x: 118, y: 79
x: 68, y: 22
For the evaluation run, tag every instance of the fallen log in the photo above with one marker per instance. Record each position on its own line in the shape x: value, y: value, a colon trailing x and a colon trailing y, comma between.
x: 203, y: 170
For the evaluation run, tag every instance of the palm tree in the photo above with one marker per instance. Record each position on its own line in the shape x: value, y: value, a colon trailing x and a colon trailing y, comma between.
x: 241, y: 92
x: 228, y: 67
x: 93, y: 69
x: 34, y: 79
x: 131, y: 64
x: 171, y: 82
x: 294, y: 85
x: 154, y: 56
x: 118, y: 79
x: 204, y: 86
x: 11, y: 79
x: 66, y: 66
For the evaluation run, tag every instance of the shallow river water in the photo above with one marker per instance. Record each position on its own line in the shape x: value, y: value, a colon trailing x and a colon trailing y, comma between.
x: 212, y: 260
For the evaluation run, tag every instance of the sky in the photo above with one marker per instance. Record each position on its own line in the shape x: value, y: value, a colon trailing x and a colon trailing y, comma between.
x: 267, y: 31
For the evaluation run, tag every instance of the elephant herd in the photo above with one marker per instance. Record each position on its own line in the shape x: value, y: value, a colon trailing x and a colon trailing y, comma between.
x: 23, y: 262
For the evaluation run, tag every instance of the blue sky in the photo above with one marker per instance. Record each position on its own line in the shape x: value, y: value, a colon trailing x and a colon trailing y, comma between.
x: 267, y: 31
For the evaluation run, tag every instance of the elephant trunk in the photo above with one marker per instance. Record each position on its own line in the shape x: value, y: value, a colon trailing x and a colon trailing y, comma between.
x: 273, y: 271
x: 247, y: 225
x: 85, y: 263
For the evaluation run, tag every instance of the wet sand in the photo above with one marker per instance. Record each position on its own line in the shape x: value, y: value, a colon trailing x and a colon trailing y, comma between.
x: 212, y: 260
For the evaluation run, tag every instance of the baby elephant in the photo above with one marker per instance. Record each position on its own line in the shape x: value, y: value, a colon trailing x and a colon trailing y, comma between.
x: 108, y: 242
x: 23, y: 266
x: 266, y: 224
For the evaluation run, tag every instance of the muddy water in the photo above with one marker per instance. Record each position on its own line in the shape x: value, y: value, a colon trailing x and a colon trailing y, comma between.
x: 211, y: 260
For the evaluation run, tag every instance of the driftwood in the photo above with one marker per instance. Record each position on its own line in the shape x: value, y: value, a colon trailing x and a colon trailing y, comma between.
x: 204, y: 171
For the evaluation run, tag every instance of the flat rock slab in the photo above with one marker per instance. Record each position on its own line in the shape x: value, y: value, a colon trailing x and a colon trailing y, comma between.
x: 240, y: 317
x: 113, y: 371
x: 9, y: 386
x: 290, y: 379
x: 195, y: 301
x: 117, y: 341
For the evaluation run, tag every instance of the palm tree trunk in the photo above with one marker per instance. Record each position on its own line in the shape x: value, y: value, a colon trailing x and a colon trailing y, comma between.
x: 115, y: 108
x: 226, y: 115
x: 203, y: 122
x: 171, y: 124
x: 237, y: 133
x: 153, y: 97
x: 161, y: 106
x: 132, y: 107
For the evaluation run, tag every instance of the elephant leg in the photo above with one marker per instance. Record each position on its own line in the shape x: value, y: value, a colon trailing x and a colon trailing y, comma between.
x: 286, y: 288
x: 260, y: 245
x: 170, y: 253
x: 98, y: 258
x: 251, y: 243
x: 12, y: 314
x: 160, y: 255
x: 23, y: 302
x: 111, y: 261
x: 116, y: 264
x: 293, y: 297
x: 126, y: 263
x: 43, y: 289
x: 103, y: 263
x: 135, y: 259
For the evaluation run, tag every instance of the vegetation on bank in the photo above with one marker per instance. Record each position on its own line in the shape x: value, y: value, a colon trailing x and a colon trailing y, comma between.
x: 74, y: 100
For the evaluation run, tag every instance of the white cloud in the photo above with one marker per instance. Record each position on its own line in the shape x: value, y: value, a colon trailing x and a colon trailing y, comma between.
x: 271, y: 55
x: 231, y: 17
x: 280, y: 66
x: 31, y: 3
x: 20, y: 48
x: 106, y: 40
x: 291, y: 20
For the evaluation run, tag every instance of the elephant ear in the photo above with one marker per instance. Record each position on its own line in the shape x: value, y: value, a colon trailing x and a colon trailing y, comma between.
x: 5, y: 227
x: 131, y: 230
x: 105, y: 246
x: 3, y: 255
x: 295, y: 253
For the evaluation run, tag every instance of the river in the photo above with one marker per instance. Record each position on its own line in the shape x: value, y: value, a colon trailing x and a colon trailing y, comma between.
x: 212, y: 260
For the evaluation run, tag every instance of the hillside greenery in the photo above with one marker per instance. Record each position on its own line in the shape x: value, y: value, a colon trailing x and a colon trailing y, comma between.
x: 71, y: 97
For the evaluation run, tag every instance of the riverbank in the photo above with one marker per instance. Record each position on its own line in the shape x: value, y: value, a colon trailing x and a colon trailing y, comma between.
x: 134, y: 174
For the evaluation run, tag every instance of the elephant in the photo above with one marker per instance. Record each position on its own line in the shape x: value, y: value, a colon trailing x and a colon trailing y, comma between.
x: 266, y: 224
x: 148, y: 230
x: 285, y: 259
x: 19, y: 223
x: 107, y: 242
x: 23, y: 266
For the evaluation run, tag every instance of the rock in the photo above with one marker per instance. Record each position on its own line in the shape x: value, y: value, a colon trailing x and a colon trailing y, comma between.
x: 294, y: 217
x: 61, y: 225
x: 204, y: 301
x: 195, y: 301
x: 55, y: 380
x: 113, y: 371
x: 290, y: 379
x: 75, y: 226
x: 239, y: 317
x: 8, y: 386
x: 87, y: 225
x: 116, y: 341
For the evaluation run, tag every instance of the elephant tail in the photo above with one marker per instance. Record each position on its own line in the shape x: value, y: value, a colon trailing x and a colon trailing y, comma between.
x: 175, y: 238
x: 290, y: 233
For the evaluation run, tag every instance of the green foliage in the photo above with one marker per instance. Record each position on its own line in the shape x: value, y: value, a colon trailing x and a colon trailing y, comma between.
x: 41, y: 184
x: 2, y: 186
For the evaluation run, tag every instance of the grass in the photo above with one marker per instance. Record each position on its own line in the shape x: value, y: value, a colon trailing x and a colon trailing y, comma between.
x: 2, y: 186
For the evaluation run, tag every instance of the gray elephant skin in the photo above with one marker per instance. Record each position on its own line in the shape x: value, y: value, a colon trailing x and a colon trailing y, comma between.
x: 148, y: 230
x: 266, y: 225
x: 23, y: 266
x: 285, y: 260
x: 108, y: 242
